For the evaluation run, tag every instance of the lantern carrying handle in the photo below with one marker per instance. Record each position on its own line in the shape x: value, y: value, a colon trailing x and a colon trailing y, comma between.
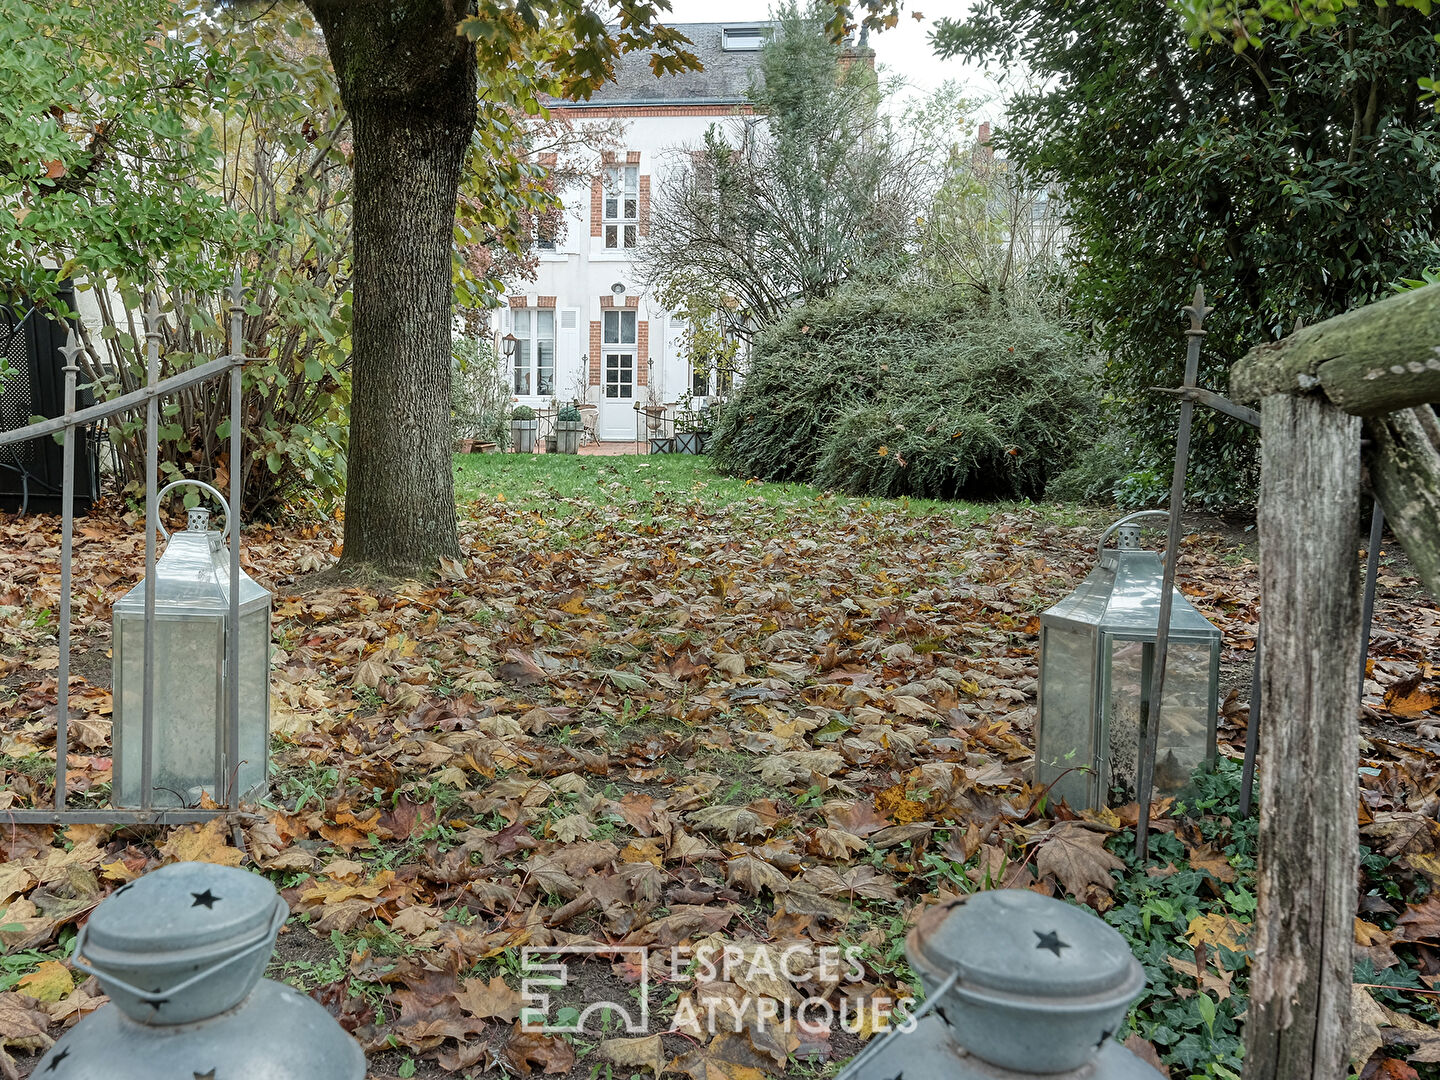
x: 224, y: 506
x: 1126, y: 520
x: 265, y: 941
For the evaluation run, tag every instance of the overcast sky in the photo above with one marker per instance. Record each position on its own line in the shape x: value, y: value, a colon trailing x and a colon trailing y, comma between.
x: 904, y: 50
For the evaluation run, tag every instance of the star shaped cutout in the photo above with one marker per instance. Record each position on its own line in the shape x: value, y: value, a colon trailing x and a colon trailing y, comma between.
x: 1050, y: 940
x: 204, y: 899
x: 55, y: 1061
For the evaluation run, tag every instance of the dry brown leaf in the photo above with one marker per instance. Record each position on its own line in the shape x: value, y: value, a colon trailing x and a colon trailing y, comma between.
x: 208, y: 843
x: 1077, y: 857
x: 490, y: 1001
x: 645, y: 1052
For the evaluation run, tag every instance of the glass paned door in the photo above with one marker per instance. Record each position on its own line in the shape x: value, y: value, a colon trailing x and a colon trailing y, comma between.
x: 620, y: 376
x: 617, y: 398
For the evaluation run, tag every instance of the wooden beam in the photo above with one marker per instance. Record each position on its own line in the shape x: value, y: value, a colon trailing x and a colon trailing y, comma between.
x: 1376, y: 359
x: 1297, y: 1028
x: 123, y: 403
x: 1404, y: 465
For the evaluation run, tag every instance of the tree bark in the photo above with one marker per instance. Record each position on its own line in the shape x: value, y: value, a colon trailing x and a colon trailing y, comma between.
x: 1300, y: 990
x: 408, y: 82
x: 1404, y: 463
x: 1377, y: 359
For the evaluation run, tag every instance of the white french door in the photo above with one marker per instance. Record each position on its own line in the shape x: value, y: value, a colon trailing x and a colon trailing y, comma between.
x: 617, y: 376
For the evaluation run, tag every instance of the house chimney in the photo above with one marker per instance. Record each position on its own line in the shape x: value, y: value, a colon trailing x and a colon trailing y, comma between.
x: 983, y: 135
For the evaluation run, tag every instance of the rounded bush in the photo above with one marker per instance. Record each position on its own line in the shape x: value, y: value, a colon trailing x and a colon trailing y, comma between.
x: 522, y: 412
x: 878, y: 392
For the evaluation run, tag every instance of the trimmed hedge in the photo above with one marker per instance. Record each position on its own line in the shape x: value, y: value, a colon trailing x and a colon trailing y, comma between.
x: 911, y: 393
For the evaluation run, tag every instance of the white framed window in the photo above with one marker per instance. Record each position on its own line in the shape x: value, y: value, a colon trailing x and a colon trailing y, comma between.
x: 743, y: 38
x: 619, y: 340
x: 534, y: 361
x: 621, y: 219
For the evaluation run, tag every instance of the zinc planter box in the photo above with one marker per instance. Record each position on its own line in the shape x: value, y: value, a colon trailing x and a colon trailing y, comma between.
x: 567, y: 436
x: 522, y: 435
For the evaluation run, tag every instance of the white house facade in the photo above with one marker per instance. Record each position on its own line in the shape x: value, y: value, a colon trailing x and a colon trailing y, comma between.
x: 583, y: 328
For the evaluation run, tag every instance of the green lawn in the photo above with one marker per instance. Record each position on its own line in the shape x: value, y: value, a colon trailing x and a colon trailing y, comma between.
x: 563, y: 485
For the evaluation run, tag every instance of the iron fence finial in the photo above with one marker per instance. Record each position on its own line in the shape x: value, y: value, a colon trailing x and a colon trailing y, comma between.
x: 70, y: 350
x: 237, y: 290
x: 153, y: 319
x: 1197, y: 311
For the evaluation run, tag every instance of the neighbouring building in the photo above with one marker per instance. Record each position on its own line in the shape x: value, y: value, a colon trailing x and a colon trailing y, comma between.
x: 583, y: 328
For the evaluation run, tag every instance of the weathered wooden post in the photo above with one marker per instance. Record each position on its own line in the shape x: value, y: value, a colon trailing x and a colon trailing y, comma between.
x: 1379, y: 362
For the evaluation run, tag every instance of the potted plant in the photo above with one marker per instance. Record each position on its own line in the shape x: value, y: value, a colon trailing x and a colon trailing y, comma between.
x: 523, y: 427
x: 568, y: 427
x: 692, y: 426
x: 480, y: 400
x: 654, y: 410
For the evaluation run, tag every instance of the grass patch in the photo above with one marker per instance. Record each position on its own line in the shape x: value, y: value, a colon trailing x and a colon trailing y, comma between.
x: 564, y: 486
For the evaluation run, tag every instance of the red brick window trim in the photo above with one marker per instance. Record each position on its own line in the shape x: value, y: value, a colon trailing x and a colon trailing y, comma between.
x: 545, y: 302
x: 519, y: 302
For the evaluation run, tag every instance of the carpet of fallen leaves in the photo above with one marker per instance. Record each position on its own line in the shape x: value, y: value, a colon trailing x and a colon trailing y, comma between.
x: 662, y: 721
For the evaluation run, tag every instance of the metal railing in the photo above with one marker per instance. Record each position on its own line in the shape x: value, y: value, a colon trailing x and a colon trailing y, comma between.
x: 148, y: 396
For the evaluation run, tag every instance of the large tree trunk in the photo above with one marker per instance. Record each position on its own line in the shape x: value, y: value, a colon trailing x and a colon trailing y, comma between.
x: 1300, y: 991
x: 408, y: 83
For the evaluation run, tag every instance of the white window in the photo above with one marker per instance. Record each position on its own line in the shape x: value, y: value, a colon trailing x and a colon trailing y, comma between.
x: 742, y: 38
x: 534, y: 360
x: 619, y: 340
x: 622, y: 206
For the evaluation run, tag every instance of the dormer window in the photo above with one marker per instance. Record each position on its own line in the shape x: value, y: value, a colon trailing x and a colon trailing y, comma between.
x: 742, y: 38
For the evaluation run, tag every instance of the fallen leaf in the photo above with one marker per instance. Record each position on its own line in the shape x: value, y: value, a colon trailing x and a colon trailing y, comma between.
x: 209, y: 843
x: 1077, y: 857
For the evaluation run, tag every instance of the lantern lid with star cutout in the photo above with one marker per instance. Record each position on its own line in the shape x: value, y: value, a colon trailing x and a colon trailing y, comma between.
x: 181, y: 952
x: 184, y: 942
x: 1014, y: 941
x: 1009, y: 963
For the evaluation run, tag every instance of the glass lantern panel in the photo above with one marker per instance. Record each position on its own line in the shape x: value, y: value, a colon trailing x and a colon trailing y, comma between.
x: 1128, y: 684
x: 189, y: 661
x: 1066, y: 737
x: 1185, y: 733
x: 1185, y: 742
x: 254, y: 698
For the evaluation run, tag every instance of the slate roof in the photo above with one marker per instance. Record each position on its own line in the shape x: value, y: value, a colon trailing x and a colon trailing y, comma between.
x: 725, y: 80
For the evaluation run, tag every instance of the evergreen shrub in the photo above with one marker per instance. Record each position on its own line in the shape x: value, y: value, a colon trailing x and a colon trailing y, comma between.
x: 895, y: 391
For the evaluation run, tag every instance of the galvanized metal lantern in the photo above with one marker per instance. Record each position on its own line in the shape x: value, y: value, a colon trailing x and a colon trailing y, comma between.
x: 1016, y: 985
x: 1097, y: 651
x: 180, y: 952
x: 190, y: 743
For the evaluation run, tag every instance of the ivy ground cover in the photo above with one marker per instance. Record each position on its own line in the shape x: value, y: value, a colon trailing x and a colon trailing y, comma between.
x: 719, y: 734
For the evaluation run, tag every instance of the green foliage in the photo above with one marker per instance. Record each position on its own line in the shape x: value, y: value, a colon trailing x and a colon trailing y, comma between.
x: 147, y: 155
x: 522, y: 412
x: 1197, y: 1034
x: 569, y: 414
x: 480, y: 400
x: 770, y: 216
x: 1295, y: 182
x: 910, y: 391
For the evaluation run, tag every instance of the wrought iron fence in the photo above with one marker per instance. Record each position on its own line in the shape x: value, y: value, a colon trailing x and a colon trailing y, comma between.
x: 66, y: 425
